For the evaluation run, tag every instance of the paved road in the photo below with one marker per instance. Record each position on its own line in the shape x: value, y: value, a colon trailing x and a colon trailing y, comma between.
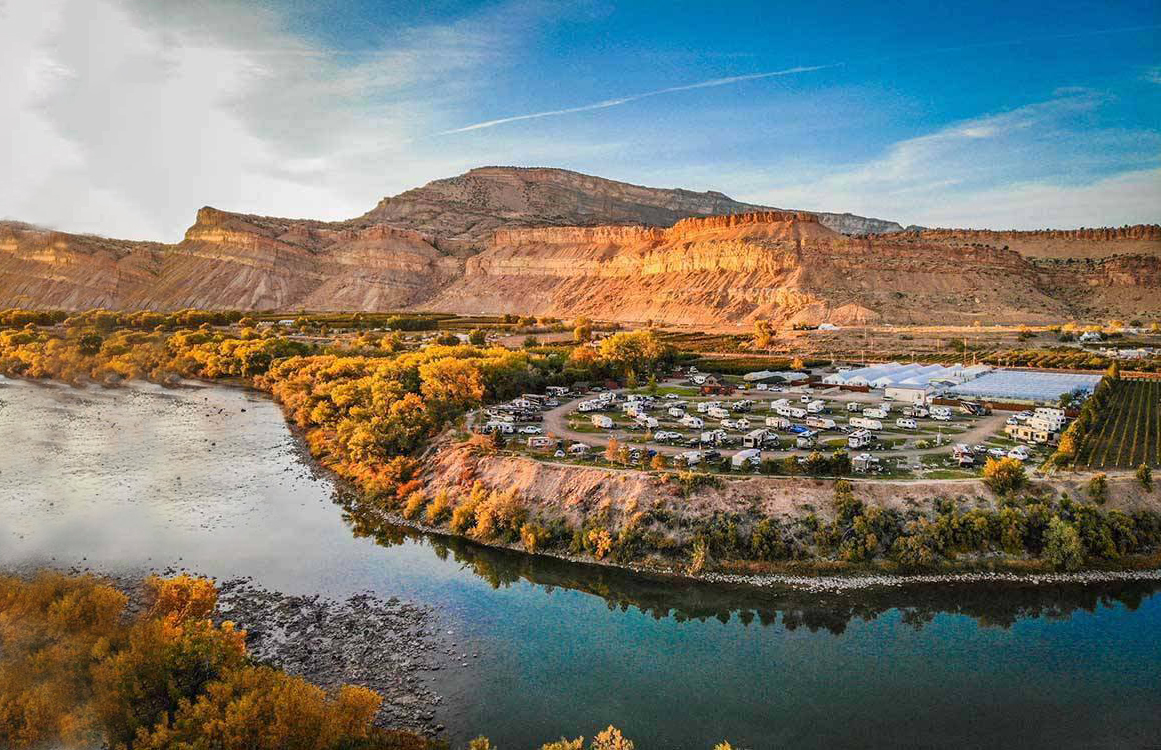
x: 556, y: 425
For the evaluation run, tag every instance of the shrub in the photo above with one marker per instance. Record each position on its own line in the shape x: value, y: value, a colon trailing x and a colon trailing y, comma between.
x: 1098, y: 489
x: 1005, y: 475
x: 414, y: 505
x: 533, y: 536
x: 439, y: 508
x: 1062, y: 546
x: 1145, y: 477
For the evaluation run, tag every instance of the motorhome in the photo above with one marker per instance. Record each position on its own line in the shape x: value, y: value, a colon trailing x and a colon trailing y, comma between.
x: 755, y: 438
x: 602, y: 421
x: 820, y: 423
x: 648, y: 422
x: 805, y: 441
x: 876, y: 413
x: 690, y: 458
x: 915, y: 411
x: 714, y: 437
x: 797, y: 413
x: 579, y: 449
x: 942, y: 413
x: 905, y: 423
x: 816, y: 406
x: 703, y: 407
x: 866, y: 424
x: 504, y: 428
x: 676, y: 412
x: 540, y: 441
x: 778, y: 423
x: 717, y: 413
x: 692, y: 422
x: 859, y: 439
x: 854, y: 406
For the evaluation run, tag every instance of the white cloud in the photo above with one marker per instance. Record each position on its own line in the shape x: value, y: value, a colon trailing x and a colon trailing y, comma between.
x: 1038, y: 165
x: 129, y: 114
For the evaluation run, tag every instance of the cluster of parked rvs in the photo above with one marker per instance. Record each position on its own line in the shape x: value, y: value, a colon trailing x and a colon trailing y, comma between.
x: 525, y: 410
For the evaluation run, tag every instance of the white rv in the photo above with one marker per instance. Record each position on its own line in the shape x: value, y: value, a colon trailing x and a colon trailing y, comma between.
x: 859, y: 439
x: 602, y: 421
x: 755, y: 438
x: 751, y: 457
x: 866, y: 424
x: 905, y: 423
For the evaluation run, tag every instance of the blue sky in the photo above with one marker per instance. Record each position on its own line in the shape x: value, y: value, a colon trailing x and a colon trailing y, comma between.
x: 132, y: 113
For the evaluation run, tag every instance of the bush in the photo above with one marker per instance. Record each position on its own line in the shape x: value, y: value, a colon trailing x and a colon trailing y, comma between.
x: 1145, y: 477
x: 1004, y: 476
x: 1098, y: 489
x: 1062, y: 545
x: 414, y: 504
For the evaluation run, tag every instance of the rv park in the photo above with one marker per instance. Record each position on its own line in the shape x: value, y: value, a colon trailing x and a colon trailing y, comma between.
x: 894, y: 421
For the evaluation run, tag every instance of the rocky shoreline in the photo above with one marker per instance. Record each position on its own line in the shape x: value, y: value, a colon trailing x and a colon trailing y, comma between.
x: 388, y: 645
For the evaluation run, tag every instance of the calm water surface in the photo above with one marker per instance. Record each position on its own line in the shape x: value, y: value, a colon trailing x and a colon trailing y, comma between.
x: 211, y: 479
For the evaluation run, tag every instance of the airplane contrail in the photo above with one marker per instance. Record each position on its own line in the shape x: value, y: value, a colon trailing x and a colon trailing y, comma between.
x: 605, y: 104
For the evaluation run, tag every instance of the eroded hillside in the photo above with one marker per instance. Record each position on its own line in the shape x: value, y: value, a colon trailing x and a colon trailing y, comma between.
x: 554, y: 242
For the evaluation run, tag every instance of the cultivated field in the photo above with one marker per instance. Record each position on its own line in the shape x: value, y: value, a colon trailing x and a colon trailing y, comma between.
x: 1129, y: 432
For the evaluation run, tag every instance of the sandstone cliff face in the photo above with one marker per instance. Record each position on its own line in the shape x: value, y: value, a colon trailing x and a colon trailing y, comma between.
x: 554, y: 242
x: 225, y: 261
x: 729, y: 270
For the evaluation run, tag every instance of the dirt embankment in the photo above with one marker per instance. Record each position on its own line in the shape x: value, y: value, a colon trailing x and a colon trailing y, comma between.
x: 574, y: 493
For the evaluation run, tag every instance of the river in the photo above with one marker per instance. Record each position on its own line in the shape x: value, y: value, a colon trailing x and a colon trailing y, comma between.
x: 211, y: 479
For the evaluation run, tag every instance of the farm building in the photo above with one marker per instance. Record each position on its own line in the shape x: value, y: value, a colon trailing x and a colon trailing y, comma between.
x: 1026, y: 385
x: 911, y: 394
x: 915, y: 375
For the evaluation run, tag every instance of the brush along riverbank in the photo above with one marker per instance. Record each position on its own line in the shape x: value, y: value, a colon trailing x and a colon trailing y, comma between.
x: 695, y: 524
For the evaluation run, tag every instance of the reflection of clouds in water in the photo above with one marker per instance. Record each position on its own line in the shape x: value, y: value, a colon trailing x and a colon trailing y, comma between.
x: 143, y: 472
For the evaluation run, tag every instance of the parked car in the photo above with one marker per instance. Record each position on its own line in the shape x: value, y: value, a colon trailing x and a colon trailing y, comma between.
x: 530, y: 430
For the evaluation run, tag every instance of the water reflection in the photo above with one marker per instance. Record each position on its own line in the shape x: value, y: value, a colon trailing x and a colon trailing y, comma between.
x: 681, y: 599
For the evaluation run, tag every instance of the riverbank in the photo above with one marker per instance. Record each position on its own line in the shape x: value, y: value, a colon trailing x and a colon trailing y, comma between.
x: 387, y: 645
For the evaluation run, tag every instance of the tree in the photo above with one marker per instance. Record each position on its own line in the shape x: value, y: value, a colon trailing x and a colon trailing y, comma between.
x: 658, y: 462
x: 478, y: 337
x: 613, y: 450
x: 582, y: 331
x: 798, y: 364
x: 1145, y: 477
x: 1098, y: 489
x: 1062, y: 545
x: 1005, y: 475
x: 530, y: 342
x: 764, y: 333
x: 651, y: 385
x: 1114, y: 371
